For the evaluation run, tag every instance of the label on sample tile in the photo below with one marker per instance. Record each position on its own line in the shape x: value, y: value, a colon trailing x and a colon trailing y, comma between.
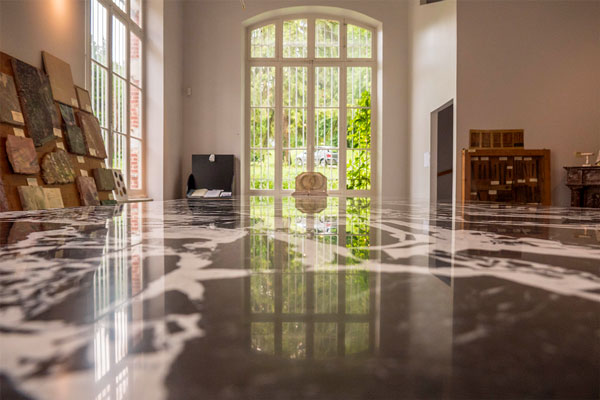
x: 526, y: 158
x: 74, y: 102
x: 485, y: 158
x: 19, y: 132
x: 17, y: 116
x: 475, y: 158
x: 32, y: 182
x: 509, y: 167
x: 518, y: 158
x: 509, y: 182
x: 533, y: 180
x: 492, y: 192
x: 88, y: 108
x: 80, y: 160
x: 57, y: 132
x: 83, y: 172
x: 60, y: 145
x: 520, y: 180
x: 93, y: 152
x: 503, y: 158
x: 103, y: 165
x: 472, y: 150
x: 494, y: 183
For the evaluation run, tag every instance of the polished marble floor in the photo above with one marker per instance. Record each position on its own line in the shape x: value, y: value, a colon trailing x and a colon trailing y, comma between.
x: 266, y: 298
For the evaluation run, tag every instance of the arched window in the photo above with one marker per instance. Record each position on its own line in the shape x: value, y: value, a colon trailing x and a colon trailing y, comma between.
x: 310, y: 97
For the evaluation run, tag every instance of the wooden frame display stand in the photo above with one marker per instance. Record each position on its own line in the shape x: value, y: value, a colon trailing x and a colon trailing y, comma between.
x: 506, y: 176
x: 83, y: 165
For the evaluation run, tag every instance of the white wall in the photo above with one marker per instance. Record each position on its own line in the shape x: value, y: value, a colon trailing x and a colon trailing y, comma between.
x: 213, y: 68
x: 174, y: 180
x: 57, y: 26
x: 533, y: 65
x: 432, y: 38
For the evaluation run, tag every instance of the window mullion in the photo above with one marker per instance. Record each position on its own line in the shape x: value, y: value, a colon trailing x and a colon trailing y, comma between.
x: 278, y: 185
x: 127, y: 132
x: 310, y: 118
x: 110, y: 86
x: 343, y: 129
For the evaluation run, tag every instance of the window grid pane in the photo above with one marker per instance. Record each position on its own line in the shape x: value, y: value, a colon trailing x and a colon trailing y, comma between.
x: 294, y: 124
x: 360, y: 42
x: 119, y: 105
x: 136, y: 11
x: 135, y: 165
x: 135, y: 60
x: 99, y: 34
x: 262, y: 42
x: 327, y: 36
x: 326, y: 153
x: 121, y: 4
x: 295, y: 38
x: 99, y: 94
x: 119, y: 153
x: 119, y: 47
x: 135, y: 112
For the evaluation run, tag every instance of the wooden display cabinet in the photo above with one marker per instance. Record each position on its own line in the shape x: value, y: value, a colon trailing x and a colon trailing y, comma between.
x: 506, y: 176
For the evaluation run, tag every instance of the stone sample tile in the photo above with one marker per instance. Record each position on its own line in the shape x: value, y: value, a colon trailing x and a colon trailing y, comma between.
x: 49, y: 101
x: 22, y: 155
x: 54, y: 198
x: 85, y: 102
x: 88, y: 193
x: 3, y: 200
x: 61, y: 79
x: 74, y: 136
x: 92, y: 135
x: 108, y: 202
x: 120, y: 190
x: 38, y: 118
x: 10, y: 108
x: 32, y: 198
x: 104, y: 179
x: 57, y: 168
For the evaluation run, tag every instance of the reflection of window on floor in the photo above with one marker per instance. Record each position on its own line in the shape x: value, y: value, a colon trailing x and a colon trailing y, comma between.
x: 118, y: 277
x: 317, y: 314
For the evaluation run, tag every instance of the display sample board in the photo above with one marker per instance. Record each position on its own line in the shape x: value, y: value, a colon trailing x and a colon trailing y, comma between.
x: 54, y: 146
x: 87, y: 191
x: 85, y: 102
x: 61, y: 80
x: 22, y: 155
x: 92, y: 135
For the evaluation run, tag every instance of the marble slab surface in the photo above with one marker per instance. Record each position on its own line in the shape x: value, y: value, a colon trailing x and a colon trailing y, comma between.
x: 252, y: 298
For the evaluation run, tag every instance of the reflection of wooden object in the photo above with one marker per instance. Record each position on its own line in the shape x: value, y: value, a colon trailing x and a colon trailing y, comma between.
x: 3, y: 200
x: 61, y: 79
x: 496, y: 139
x: 584, y: 183
x: 311, y: 205
x: 311, y: 184
x: 506, y: 175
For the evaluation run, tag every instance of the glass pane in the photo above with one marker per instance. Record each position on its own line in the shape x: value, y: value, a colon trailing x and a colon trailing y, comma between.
x: 105, y: 139
x: 359, y: 128
x: 326, y: 276
x: 99, y: 35
x: 136, y: 11
x: 357, y: 292
x: 135, y: 165
x: 357, y: 337
x: 135, y: 112
x: 263, y: 337
x: 119, y: 47
x: 327, y: 37
x: 99, y: 94
x: 325, y: 340
x: 360, y: 42
x: 294, y: 86
x: 359, y: 87
x: 326, y: 154
x: 262, y: 128
x: 295, y: 38
x: 262, y: 169
x: 294, y: 124
x: 262, y: 83
x: 327, y: 86
x: 119, y: 104
x: 262, y: 42
x: 294, y: 340
x: 135, y: 56
x: 262, y: 293
x: 121, y: 4
x: 120, y: 153
x: 358, y: 170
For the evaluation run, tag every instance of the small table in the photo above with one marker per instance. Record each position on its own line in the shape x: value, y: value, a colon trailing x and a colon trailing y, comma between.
x: 584, y: 183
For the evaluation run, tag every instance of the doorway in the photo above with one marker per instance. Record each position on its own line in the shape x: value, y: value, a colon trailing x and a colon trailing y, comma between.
x: 442, y: 153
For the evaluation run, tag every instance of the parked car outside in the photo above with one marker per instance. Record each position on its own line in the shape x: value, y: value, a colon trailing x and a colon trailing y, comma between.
x: 322, y: 156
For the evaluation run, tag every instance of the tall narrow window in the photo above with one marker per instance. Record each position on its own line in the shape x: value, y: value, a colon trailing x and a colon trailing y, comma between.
x: 116, y: 71
x: 311, y: 98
